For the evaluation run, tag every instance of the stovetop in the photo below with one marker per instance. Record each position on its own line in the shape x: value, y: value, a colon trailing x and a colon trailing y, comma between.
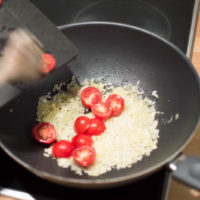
x: 172, y: 20
x: 16, y: 177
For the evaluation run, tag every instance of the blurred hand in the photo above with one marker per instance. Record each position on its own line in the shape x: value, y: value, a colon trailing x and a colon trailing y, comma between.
x: 21, y: 58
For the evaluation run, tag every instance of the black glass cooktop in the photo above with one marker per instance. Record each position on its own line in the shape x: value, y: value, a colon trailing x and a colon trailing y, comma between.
x: 16, y: 177
x: 172, y: 20
x: 169, y: 19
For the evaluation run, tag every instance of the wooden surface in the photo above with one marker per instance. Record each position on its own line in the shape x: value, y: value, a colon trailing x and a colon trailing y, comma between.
x: 177, y: 190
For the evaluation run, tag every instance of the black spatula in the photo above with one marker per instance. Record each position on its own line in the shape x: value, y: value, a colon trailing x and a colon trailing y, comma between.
x: 22, y: 13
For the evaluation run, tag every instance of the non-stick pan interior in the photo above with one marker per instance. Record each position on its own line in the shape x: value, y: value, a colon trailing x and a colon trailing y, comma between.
x: 121, y: 54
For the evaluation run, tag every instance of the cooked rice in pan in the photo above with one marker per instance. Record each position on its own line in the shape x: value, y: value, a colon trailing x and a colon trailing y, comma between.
x: 128, y: 137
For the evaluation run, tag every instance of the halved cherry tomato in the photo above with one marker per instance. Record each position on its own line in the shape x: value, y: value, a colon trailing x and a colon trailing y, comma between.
x: 116, y: 103
x: 81, y: 124
x: 97, y: 127
x: 90, y: 96
x: 84, y: 155
x: 82, y: 140
x: 44, y: 132
x: 62, y: 149
x: 101, y: 110
x: 48, y: 63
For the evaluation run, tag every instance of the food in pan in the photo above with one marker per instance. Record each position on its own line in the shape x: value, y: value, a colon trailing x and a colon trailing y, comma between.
x: 99, y: 126
x: 44, y: 133
x: 48, y: 63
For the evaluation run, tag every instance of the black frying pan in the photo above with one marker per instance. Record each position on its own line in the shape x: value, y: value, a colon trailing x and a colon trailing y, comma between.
x: 120, y: 53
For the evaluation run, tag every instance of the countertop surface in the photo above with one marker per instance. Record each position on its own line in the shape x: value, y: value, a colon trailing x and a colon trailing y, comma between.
x: 177, y: 190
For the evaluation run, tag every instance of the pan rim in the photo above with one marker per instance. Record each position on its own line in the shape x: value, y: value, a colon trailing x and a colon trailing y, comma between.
x: 108, y: 181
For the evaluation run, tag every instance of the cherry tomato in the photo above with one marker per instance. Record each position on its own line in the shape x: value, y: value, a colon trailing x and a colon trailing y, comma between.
x: 82, y: 140
x: 84, y: 155
x: 116, y: 103
x: 101, y: 110
x: 97, y: 127
x: 90, y: 96
x: 44, y: 132
x: 62, y: 149
x: 48, y: 63
x: 0, y: 2
x: 81, y: 124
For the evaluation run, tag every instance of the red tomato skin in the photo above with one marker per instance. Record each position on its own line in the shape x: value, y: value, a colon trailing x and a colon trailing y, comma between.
x: 84, y: 160
x: 82, y: 140
x: 97, y: 126
x: 101, y: 110
x: 81, y: 124
x: 62, y: 149
x: 119, y: 104
x: 44, y: 133
x: 48, y: 63
x: 90, y: 96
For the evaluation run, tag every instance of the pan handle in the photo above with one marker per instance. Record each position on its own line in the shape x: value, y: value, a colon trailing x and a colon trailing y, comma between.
x: 187, y: 170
